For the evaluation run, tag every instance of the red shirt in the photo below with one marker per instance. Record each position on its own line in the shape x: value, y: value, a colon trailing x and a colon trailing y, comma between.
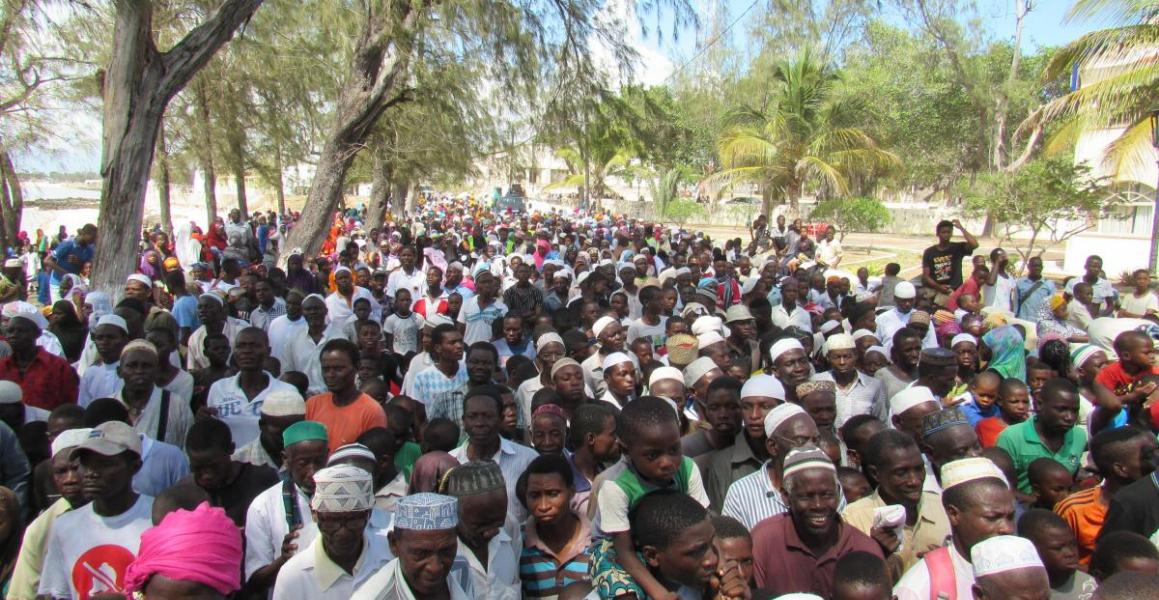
x: 784, y: 564
x: 47, y: 383
x: 1114, y: 378
x: 988, y: 430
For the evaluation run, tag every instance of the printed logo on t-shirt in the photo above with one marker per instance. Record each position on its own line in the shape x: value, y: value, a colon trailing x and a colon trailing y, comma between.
x: 101, y: 569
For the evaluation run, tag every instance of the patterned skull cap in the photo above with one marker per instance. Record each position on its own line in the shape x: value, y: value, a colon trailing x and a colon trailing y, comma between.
x: 426, y: 512
x: 342, y: 488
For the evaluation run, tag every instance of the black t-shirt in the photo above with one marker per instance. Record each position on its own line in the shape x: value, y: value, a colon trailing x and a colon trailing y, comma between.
x: 238, y: 494
x: 1135, y: 508
x: 946, y: 265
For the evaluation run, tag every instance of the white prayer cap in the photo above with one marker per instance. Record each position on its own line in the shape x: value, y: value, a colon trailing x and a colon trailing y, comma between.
x: 666, y: 274
x: 665, y: 373
x: 763, y: 386
x: 798, y: 596
x: 70, y: 438
x: 13, y: 263
x: 830, y: 325
x: 683, y: 271
x: 10, y: 392
x: 426, y: 512
x: 860, y: 333
x: 341, y: 269
x: 614, y: 359
x: 780, y: 414
x: 965, y: 470
x: 221, y: 301
x: 141, y: 279
x: 601, y: 324
x: 782, y: 346
x: 1003, y: 553
x: 909, y: 398
x: 605, y: 262
x: 878, y: 349
x: 904, y: 290
x: 25, y: 310
x: 697, y: 369
x: 284, y: 403
x: 354, y: 450
x: 707, y: 339
x: 342, y: 488
x: 704, y: 325
x: 963, y: 337
x: 805, y: 458
x: 438, y: 319
x: 839, y: 341
x: 548, y: 338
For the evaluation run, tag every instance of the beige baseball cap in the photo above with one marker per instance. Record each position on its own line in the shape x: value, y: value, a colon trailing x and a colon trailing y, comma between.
x: 111, y: 439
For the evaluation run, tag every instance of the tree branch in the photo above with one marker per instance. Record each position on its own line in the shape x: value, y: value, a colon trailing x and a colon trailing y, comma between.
x: 183, y: 61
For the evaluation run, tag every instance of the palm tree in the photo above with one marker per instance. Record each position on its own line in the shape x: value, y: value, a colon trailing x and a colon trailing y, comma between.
x: 1123, y: 62
x: 808, y: 135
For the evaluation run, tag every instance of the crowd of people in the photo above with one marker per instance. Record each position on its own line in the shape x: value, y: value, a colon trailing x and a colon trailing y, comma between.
x: 462, y: 404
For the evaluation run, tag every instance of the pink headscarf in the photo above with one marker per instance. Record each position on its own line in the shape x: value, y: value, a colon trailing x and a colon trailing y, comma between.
x: 202, y: 545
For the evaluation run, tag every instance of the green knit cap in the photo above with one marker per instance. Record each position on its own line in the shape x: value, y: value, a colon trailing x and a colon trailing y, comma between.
x: 304, y: 431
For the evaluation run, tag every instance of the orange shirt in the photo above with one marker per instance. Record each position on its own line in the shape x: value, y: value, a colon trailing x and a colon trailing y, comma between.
x: 345, y: 423
x: 1085, y: 512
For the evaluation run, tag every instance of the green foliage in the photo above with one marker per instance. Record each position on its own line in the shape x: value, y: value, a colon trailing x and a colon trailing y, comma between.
x: 863, y: 215
x: 808, y: 139
x: 1050, y: 199
x: 680, y: 212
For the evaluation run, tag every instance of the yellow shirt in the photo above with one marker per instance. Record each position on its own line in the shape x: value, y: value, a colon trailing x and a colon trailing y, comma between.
x: 929, y: 532
x: 30, y: 561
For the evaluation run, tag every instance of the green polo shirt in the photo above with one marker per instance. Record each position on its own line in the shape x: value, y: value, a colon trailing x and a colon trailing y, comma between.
x: 1022, y: 443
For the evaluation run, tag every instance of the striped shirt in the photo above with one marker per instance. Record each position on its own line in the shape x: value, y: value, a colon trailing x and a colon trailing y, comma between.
x: 442, y: 395
x: 543, y: 572
x: 752, y: 499
x: 864, y: 396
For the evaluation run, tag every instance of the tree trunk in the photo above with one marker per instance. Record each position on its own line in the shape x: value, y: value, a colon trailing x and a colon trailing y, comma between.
x: 379, y: 189
x: 235, y: 140
x: 205, y: 153
x: 1021, y: 9
x: 381, y: 62
x: 138, y: 86
x: 163, y: 181
x: 13, y: 199
x: 239, y: 185
x: 279, y: 183
x: 399, y: 193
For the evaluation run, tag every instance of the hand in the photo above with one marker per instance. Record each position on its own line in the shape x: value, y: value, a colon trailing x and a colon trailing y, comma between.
x: 958, y: 224
x: 1145, y: 390
x: 288, y: 545
x: 886, y: 537
x: 728, y: 583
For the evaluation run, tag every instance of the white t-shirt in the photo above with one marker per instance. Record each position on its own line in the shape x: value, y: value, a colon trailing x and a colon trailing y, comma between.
x: 1139, y: 306
x: 1001, y: 294
x: 81, y: 566
x: 238, y: 411
x: 404, y: 331
x: 478, y: 320
x: 656, y: 333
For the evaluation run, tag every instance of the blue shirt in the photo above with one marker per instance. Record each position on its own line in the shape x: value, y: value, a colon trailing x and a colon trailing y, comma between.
x: 1033, y: 305
x: 185, y: 312
x: 71, y: 257
x: 975, y: 413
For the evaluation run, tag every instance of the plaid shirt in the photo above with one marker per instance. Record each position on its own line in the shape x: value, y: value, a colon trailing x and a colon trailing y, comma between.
x: 442, y: 395
x: 47, y: 383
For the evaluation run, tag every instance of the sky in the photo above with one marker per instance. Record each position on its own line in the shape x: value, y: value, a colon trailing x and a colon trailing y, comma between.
x: 1045, y: 26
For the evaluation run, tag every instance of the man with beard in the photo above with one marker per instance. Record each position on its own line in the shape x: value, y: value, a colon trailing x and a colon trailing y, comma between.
x: 790, y: 365
x: 857, y: 393
x: 798, y: 551
x: 890, y: 321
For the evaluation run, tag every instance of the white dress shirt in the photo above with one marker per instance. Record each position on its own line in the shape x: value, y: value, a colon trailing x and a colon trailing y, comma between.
x: 311, y: 575
x: 304, y: 355
x: 341, y: 311
x: 99, y: 381
x: 265, y: 527
x: 499, y: 578
x: 512, y: 459
x: 281, y: 330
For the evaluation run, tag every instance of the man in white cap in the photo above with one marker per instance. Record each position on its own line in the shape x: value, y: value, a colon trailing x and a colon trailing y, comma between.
x: 549, y: 348
x: 610, y: 335
x: 340, y: 302
x: 424, y: 540
x: 46, y: 380
x: 888, y: 322
x: 13, y: 411
x: 756, y: 497
x: 758, y: 396
x: 697, y: 377
x: 90, y: 548
x: 1008, y: 566
x: 790, y: 365
x: 343, y: 556
x: 214, y: 319
x: 139, y: 287
x: 857, y: 393
x: 909, y: 407
x: 153, y: 411
x: 714, y: 346
x: 279, y: 410
x: 979, y: 505
x: 67, y: 481
x: 101, y: 380
x: 620, y: 376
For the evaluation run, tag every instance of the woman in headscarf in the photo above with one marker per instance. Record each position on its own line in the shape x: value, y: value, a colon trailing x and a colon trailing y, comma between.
x: 189, y: 554
x: 11, y: 534
x: 429, y: 471
x: 66, y: 325
x: 1003, y: 347
x: 97, y: 304
x: 1055, y: 324
x: 150, y: 264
